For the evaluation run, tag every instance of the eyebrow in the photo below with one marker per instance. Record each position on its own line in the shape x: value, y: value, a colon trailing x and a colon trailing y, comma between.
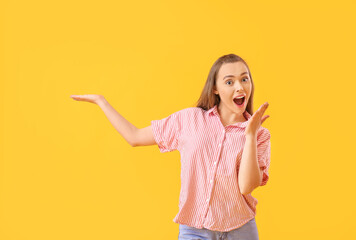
x: 233, y: 75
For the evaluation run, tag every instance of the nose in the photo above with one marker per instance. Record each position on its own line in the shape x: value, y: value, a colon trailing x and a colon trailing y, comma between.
x: 239, y: 87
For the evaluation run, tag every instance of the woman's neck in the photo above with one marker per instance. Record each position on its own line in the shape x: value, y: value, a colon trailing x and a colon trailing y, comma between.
x: 228, y: 117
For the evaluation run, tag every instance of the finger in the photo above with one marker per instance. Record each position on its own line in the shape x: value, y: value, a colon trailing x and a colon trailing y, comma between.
x: 265, y: 105
x: 263, y: 108
x: 76, y: 97
x: 260, y: 111
x: 264, y: 118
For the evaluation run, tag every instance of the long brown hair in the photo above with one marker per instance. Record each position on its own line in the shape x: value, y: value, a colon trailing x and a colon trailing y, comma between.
x: 207, y: 98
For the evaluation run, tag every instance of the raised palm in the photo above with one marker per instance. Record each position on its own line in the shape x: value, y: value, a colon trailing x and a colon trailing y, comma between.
x: 256, y: 120
x: 93, y: 98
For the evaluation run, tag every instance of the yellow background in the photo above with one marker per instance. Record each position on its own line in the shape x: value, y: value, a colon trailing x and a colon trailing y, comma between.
x: 66, y: 173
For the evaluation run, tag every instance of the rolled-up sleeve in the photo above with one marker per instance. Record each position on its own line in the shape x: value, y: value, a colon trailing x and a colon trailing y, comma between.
x: 166, y: 131
x: 264, y: 153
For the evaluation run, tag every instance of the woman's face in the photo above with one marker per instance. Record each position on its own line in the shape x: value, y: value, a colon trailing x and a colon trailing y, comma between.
x: 233, y: 80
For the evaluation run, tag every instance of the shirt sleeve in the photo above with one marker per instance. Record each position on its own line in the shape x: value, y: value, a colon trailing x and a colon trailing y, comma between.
x: 166, y: 131
x: 264, y: 153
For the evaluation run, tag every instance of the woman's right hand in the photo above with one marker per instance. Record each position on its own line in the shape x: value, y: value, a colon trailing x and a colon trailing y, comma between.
x: 93, y: 98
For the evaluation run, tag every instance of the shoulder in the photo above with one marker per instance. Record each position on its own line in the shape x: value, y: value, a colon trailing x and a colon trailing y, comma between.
x: 190, y: 111
x: 263, y: 133
x: 184, y: 113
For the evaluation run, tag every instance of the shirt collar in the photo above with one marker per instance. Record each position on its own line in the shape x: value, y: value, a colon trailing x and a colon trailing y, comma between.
x: 214, y: 111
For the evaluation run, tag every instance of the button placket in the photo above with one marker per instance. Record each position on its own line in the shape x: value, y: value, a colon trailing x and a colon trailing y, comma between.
x: 214, y: 172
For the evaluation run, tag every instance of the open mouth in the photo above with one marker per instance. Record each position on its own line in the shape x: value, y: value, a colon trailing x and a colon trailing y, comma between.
x: 239, y: 101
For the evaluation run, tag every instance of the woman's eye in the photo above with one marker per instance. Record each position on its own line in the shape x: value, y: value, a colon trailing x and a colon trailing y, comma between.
x: 242, y: 79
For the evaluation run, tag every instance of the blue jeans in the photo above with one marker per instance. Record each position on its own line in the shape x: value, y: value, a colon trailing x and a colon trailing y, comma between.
x: 248, y: 231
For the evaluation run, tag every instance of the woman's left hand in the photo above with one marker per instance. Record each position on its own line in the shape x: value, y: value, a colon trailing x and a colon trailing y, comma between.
x: 256, y: 120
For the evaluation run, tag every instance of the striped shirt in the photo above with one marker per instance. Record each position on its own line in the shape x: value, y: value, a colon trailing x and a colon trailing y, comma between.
x: 210, y: 158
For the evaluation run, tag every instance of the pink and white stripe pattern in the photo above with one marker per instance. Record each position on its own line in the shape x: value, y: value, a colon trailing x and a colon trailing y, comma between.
x: 210, y: 159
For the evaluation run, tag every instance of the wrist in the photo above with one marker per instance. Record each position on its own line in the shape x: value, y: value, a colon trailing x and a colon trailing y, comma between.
x: 101, y: 101
x: 251, y: 136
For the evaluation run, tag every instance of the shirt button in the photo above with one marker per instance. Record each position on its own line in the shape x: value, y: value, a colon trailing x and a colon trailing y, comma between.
x: 207, y: 200
x: 219, y: 144
x: 211, y: 180
x: 214, y: 163
x: 223, y: 131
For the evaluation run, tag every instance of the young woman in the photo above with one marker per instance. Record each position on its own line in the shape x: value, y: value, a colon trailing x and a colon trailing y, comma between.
x: 225, y: 152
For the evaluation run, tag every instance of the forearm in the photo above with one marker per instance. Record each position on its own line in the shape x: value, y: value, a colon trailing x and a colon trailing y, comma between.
x: 249, y: 172
x: 124, y: 127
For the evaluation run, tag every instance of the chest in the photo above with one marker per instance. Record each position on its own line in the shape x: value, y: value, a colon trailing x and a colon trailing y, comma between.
x: 210, y: 143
